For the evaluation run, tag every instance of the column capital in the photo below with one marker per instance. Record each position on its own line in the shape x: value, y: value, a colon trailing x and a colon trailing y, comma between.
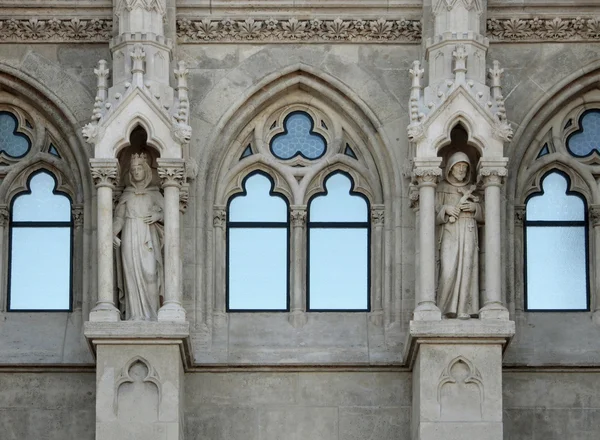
x: 77, y: 213
x: 378, y: 215
x: 493, y: 176
x: 105, y: 172
x: 4, y: 215
x: 219, y: 216
x: 519, y: 215
x: 427, y: 176
x: 595, y: 215
x: 171, y: 172
x: 298, y: 216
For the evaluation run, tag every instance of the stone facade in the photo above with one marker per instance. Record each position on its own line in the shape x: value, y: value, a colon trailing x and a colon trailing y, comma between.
x: 388, y: 80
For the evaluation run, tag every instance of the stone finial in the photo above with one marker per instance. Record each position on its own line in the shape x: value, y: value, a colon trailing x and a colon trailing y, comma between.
x: 416, y: 74
x: 495, y: 74
x: 138, y: 56
x: 102, y: 74
x: 460, y: 56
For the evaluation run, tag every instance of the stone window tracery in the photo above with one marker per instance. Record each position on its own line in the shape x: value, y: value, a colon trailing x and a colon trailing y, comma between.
x: 308, y: 156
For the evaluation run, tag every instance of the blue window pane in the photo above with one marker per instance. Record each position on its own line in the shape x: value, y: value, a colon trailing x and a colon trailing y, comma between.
x: 41, y: 204
x: 585, y: 141
x: 298, y: 138
x: 338, y: 269
x: 40, y: 268
x: 12, y: 143
x: 257, y: 205
x: 556, y: 268
x: 258, y: 268
x: 338, y: 205
x: 555, y: 204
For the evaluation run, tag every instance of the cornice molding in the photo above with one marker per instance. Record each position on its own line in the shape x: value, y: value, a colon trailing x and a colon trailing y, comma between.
x: 544, y: 29
x: 56, y: 30
x: 292, y: 30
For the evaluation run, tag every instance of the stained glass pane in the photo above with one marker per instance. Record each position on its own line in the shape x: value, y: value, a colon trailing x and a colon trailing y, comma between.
x: 12, y: 143
x: 556, y: 268
x: 338, y: 205
x: 584, y: 142
x: 257, y: 205
x: 258, y: 268
x: 41, y: 204
x: 338, y: 269
x: 40, y: 268
x: 298, y: 138
x: 555, y: 204
x: 52, y: 150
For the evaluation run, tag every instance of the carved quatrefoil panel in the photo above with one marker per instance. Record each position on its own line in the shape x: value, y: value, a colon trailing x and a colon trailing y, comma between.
x: 586, y: 140
x: 298, y: 139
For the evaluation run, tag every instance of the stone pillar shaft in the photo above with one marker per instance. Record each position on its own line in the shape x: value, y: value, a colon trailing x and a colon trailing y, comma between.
x: 4, y: 216
x: 377, y: 221
x: 426, y: 303
x: 171, y: 172
x: 493, y: 307
x: 105, y: 173
x: 219, y: 224
x: 298, y: 222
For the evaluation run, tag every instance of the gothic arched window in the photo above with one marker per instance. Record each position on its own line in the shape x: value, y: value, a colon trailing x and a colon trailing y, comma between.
x: 40, y: 247
x: 338, y: 248
x: 257, y: 247
x: 556, y: 247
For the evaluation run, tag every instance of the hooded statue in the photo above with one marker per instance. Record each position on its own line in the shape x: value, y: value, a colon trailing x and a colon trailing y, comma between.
x: 138, y: 218
x: 458, y: 213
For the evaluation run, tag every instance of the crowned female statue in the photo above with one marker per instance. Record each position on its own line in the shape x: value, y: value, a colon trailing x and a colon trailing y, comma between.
x: 138, y: 219
x: 458, y: 214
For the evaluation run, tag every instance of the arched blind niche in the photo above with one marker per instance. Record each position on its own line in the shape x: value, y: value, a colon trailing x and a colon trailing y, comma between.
x: 257, y: 248
x: 556, y: 248
x: 40, y: 247
x: 338, y: 248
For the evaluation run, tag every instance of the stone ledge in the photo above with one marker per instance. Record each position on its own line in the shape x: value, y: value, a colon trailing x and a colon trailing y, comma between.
x: 455, y: 331
x: 140, y: 333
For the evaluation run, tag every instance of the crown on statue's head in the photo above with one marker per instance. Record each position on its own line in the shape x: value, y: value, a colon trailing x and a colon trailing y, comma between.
x: 137, y: 159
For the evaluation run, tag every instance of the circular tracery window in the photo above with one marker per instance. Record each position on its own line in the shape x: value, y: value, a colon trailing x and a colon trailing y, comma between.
x: 298, y: 138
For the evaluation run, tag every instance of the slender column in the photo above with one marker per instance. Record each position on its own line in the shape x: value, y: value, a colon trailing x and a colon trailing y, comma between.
x: 77, y: 214
x: 219, y: 225
x: 4, y: 216
x: 427, y: 178
x: 298, y: 219
x: 377, y: 222
x: 595, y: 222
x: 492, y: 302
x: 105, y: 173
x: 171, y: 172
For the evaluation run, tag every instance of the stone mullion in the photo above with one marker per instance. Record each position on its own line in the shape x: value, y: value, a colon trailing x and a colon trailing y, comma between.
x: 377, y: 221
x: 77, y: 257
x: 298, y: 265
x: 4, y: 219
x: 219, y: 226
x: 594, y: 212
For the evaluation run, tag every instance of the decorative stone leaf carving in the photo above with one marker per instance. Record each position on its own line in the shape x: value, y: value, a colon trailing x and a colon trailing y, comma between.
x: 536, y: 29
x: 56, y: 30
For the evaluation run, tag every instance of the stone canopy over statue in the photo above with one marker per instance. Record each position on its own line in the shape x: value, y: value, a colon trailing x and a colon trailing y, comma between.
x: 458, y: 213
x: 138, y: 220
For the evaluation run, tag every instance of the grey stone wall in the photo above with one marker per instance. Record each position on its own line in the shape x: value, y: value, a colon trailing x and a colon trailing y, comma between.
x: 551, y: 405
x: 298, y: 405
x: 49, y: 406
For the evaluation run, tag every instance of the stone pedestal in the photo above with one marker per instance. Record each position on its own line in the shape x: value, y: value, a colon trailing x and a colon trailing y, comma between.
x: 139, y: 378
x: 457, y: 378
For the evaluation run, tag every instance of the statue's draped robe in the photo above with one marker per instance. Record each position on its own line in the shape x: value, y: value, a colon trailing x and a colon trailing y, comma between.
x: 458, y: 254
x: 141, y: 252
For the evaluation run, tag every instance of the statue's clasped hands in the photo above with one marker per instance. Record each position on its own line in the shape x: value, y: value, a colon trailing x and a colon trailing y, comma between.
x: 454, y: 211
x: 152, y: 218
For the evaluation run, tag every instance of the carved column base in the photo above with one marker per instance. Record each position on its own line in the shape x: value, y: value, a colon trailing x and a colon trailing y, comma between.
x: 139, y: 378
x: 298, y: 318
x: 494, y: 311
x: 427, y: 311
x: 105, y: 313
x: 171, y: 312
x: 457, y: 378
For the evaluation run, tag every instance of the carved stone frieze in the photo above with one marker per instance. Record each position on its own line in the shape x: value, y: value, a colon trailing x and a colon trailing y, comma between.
x: 294, y: 30
x: 538, y: 29
x: 56, y: 30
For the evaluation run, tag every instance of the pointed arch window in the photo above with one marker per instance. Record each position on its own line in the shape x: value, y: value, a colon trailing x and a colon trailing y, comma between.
x: 258, y: 248
x: 41, y: 230
x: 556, y: 247
x: 338, y: 248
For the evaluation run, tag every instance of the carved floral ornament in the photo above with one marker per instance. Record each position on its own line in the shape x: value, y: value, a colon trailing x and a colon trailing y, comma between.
x: 56, y: 29
x: 294, y: 30
x: 536, y: 29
